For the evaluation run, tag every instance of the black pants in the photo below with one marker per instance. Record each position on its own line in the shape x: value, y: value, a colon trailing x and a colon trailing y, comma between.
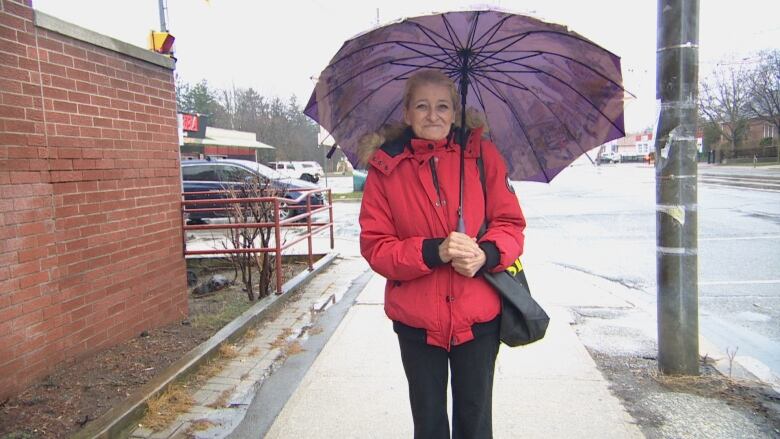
x: 472, y: 366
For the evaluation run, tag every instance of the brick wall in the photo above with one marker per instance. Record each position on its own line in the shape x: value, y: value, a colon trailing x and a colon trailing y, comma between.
x: 90, y: 230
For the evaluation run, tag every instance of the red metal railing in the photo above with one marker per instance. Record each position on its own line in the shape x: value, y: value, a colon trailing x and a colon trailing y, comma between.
x: 279, y: 205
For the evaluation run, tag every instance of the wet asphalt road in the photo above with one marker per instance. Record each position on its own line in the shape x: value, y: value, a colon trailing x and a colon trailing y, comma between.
x: 601, y: 221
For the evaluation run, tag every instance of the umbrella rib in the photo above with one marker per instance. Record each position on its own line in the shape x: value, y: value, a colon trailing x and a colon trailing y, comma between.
x: 555, y: 115
x: 357, y: 74
x: 427, y: 31
x: 346, y: 115
x: 473, y: 30
x: 482, y: 50
x: 544, y: 52
x: 481, y: 101
x: 566, y: 84
x: 503, y: 99
x: 451, y: 32
x: 495, y: 28
x: 578, y: 93
x: 518, y: 85
x: 382, y: 43
x: 434, y: 56
x: 524, y: 34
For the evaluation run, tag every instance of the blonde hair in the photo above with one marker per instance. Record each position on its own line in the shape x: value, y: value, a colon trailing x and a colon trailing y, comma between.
x: 436, y: 77
x: 369, y: 143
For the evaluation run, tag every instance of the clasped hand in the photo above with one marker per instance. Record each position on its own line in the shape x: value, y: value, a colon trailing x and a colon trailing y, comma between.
x: 463, y: 252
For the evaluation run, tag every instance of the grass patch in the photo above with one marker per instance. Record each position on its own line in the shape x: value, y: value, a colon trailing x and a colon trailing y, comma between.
x: 293, y: 348
x: 348, y: 196
x: 281, y: 339
x: 228, y: 351
x: 200, y: 425
x: 219, y: 309
x: 166, y: 407
x: 223, y: 398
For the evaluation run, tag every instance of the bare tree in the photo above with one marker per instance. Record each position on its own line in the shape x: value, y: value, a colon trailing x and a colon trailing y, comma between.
x: 723, y: 101
x: 764, y: 85
x: 245, y: 238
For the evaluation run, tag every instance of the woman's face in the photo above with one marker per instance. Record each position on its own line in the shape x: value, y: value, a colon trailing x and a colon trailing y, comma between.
x: 430, y: 111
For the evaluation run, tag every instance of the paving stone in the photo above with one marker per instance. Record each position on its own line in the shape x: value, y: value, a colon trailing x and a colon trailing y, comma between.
x: 169, y: 432
x: 141, y: 432
x: 219, y: 387
x: 204, y: 397
x: 223, y: 380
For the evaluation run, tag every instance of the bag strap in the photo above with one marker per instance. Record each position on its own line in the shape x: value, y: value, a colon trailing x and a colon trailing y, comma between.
x: 481, y: 167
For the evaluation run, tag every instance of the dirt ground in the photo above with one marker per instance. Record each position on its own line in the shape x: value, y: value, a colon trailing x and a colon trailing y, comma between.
x: 710, y: 405
x: 81, y: 390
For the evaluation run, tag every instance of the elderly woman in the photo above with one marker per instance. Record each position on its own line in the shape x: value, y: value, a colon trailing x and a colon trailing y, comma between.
x: 444, y: 313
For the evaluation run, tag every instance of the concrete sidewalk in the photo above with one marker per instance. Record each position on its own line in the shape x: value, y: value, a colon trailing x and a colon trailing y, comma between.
x: 356, y: 387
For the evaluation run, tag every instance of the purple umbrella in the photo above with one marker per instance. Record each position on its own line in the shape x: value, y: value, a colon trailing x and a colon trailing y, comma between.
x: 547, y: 93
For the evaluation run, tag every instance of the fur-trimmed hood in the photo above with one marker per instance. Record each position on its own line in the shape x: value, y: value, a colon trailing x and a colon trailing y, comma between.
x: 401, y: 133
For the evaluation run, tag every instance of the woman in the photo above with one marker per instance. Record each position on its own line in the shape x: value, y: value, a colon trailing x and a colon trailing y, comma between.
x: 444, y: 312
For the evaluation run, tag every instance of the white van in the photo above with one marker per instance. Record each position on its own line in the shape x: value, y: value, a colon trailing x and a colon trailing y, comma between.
x: 309, y: 171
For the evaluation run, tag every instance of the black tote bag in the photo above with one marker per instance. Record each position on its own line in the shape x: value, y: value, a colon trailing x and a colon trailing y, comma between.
x: 523, y: 320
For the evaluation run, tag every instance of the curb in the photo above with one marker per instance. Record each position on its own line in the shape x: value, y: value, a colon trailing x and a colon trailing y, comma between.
x: 121, y: 419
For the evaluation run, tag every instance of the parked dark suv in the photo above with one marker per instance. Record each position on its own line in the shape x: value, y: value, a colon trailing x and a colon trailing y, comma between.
x: 221, y: 174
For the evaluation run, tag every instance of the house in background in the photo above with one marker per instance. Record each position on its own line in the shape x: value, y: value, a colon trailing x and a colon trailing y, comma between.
x: 635, y: 147
x: 760, y: 139
x: 198, y: 140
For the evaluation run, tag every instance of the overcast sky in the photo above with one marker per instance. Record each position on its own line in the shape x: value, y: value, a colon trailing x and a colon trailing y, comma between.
x: 278, y: 46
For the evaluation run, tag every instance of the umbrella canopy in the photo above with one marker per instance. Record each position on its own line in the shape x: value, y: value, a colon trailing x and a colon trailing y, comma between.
x: 548, y: 94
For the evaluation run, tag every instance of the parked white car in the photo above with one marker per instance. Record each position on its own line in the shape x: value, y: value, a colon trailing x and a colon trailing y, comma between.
x: 611, y: 157
x: 308, y: 171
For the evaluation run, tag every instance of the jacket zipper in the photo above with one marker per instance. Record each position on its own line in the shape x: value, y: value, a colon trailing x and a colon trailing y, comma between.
x: 450, y: 297
x: 432, y: 162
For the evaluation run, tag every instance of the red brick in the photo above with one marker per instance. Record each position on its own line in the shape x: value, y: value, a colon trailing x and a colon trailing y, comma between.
x: 32, y: 254
x: 88, y: 109
x: 75, y: 52
x: 63, y: 106
x: 81, y: 98
x: 88, y: 186
x: 61, y: 59
x: 69, y: 153
x: 9, y: 72
x: 11, y: 112
x: 80, y: 312
x: 64, y: 176
x: 37, y: 304
x: 17, y: 100
x: 81, y: 64
x: 96, y: 57
x: 52, y: 69
x: 60, y: 82
x: 67, y: 130
x: 90, y: 132
x: 27, y: 177
x: 49, y: 44
x: 11, y: 60
x: 11, y: 21
x: 33, y: 114
x: 22, y: 9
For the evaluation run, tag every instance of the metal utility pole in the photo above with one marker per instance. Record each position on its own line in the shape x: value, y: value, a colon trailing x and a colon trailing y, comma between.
x: 675, y: 175
x: 163, y: 26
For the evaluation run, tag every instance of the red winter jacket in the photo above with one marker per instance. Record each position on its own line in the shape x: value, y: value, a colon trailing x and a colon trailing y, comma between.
x: 403, y: 219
